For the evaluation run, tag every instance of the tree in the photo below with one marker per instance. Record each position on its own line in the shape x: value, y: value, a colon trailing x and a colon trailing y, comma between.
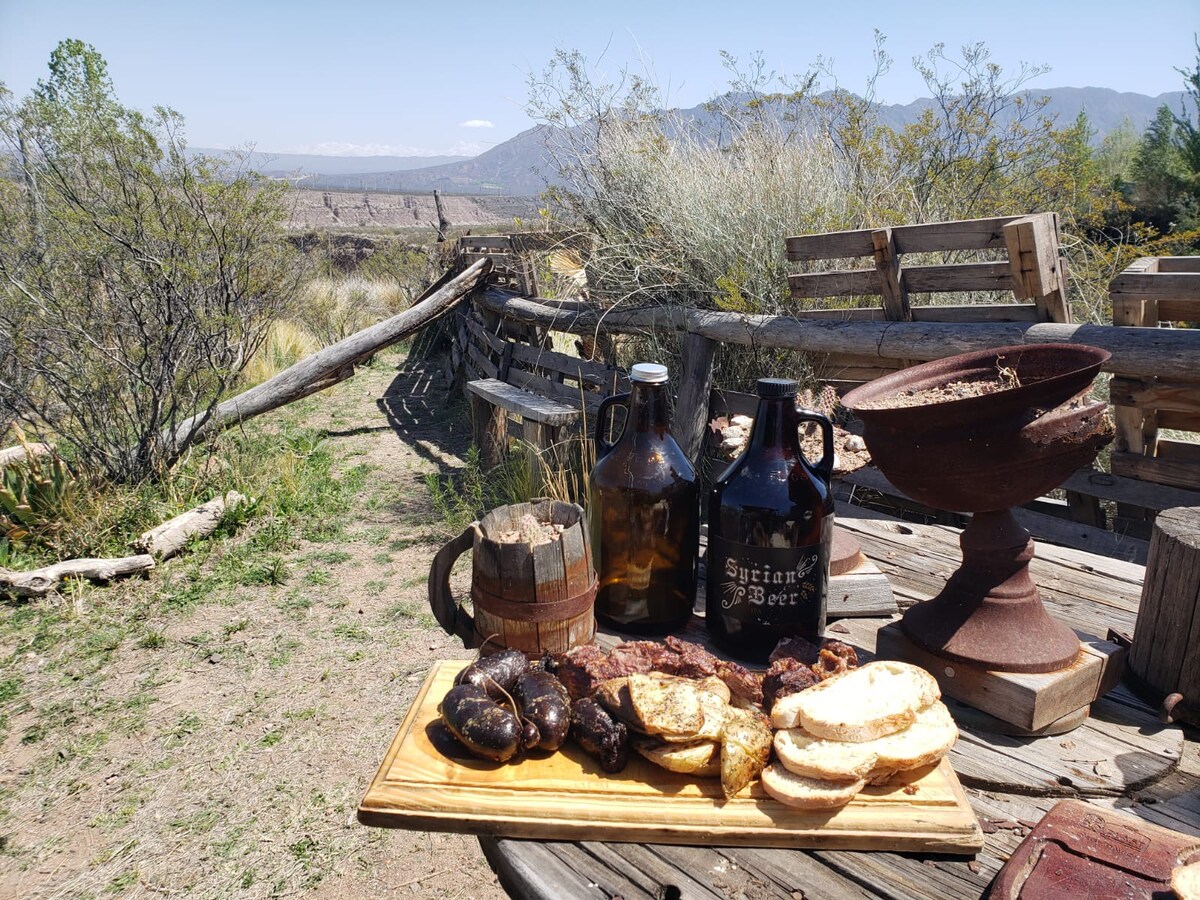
x: 136, y: 281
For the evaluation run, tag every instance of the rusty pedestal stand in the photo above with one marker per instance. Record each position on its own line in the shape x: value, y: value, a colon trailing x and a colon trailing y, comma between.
x: 983, y: 454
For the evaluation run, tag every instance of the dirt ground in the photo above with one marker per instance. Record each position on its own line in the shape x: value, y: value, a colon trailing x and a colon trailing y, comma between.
x: 225, y: 756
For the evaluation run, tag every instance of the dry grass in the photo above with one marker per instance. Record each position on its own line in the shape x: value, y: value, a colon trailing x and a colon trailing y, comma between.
x: 209, y: 731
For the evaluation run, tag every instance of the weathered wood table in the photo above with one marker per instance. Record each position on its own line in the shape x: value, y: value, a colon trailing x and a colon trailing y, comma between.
x: 1122, y: 756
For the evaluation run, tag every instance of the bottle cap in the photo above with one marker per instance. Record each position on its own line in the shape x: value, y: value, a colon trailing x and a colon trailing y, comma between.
x: 648, y: 373
x: 770, y: 388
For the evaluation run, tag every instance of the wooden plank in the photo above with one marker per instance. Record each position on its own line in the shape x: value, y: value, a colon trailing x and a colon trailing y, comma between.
x: 1179, y: 309
x: 1129, y: 490
x: 691, y: 406
x: 523, y: 403
x: 434, y: 786
x: 1178, y: 396
x: 485, y: 242
x: 1178, y: 263
x: 1179, y: 451
x: 1176, y: 473
x: 964, y: 234
x: 571, y: 366
x: 891, y: 278
x: 485, y: 339
x: 1177, y: 421
x: 1162, y: 285
x: 986, y: 276
x: 481, y: 363
x: 977, y: 312
x: 560, y: 393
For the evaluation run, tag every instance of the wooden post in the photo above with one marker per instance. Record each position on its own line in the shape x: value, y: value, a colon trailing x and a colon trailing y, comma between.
x: 443, y: 222
x: 691, y: 410
x: 1130, y: 420
x: 1166, y: 643
x: 1032, y: 244
x: 891, y: 278
x: 489, y: 426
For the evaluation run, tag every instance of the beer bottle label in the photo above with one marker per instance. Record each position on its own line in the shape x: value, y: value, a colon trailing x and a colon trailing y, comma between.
x: 771, y: 585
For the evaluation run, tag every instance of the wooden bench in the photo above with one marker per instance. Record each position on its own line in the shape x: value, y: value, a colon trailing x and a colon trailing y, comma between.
x: 550, y: 391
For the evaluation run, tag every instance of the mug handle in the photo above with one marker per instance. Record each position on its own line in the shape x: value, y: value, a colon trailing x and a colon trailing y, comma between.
x: 602, y: 417
x: 448, y: 611
x: 824, y: 467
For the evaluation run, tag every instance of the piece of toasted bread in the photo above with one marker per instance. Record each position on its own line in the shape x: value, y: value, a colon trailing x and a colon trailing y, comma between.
x: 745, y: 749
x: 807, y: 793
x: 702, y: 758
x: 1185, y: 881
x: 714, y: 712
x: 666, y: 707
x: 922, y: 743
x: 860, y: 705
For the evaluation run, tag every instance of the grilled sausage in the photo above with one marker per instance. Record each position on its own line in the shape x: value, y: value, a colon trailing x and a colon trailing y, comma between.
x: 543, y: 701
x: 483, y: 726
x: 496, y: 673
x: 600, y: 734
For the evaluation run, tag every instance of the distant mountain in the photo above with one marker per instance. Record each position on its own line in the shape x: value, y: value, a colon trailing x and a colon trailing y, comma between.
x: 311, y: 164
x: 522, y: 166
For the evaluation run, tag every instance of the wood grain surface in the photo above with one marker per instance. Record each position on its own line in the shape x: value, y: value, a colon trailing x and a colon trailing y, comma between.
x: 428, y: 782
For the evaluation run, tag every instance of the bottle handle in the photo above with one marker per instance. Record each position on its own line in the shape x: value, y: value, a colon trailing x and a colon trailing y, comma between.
x: 602, y: 416
x: 824, y: 467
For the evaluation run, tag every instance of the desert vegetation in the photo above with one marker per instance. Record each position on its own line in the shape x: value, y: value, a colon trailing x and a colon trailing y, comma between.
x: 208, y: 729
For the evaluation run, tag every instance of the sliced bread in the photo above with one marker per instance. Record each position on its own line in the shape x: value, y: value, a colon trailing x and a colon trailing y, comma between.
x: 922, y: 743
x: 1185, y: 881
x: 807, y: 793
x: 859, y: 705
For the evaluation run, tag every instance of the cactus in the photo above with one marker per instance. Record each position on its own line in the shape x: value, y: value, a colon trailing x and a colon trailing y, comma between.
x: 34, y: 493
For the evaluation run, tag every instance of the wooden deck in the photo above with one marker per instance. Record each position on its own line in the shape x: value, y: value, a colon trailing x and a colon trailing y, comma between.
x: 1122, y: 757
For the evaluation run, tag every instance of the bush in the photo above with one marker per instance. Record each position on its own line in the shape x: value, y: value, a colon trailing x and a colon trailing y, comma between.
x: 136, y: 281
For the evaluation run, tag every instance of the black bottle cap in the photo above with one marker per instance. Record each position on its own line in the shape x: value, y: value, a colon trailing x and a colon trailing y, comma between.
x: 770, y: 388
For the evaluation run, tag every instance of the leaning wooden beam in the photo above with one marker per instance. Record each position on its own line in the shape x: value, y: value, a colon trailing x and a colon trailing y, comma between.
x: 1167, y: 352
x: 170, y: 537
x: 39, y: 582
x: 10, y: 455
x: 332, y: 364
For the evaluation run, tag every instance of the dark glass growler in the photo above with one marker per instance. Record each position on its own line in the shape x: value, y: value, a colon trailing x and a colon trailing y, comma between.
x: 770, y: 524
x: 644, y: 512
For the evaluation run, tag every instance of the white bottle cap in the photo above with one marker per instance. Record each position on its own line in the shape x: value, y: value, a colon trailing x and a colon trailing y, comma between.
x: 648, y: 373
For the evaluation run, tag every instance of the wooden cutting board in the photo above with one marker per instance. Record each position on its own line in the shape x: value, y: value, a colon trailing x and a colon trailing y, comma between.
x: 429, y: 783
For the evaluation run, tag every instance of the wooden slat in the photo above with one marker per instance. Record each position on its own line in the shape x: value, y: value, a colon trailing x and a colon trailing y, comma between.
x: 986, y: 276
x: 1180, y: 309
x: 980, y: 312
x: 489, y: 242
x: 1178, y: 263
x: 1170, y: 395
x: 571, y: 366
x: 1163, y: 285
x: 965, y: 234
x: 561, y: 393
x: 481, y: 362
x: 542, y: 241
x: 891, y: 277
x: 1164, y: 471
x: 523, y: 403
x: 1179, y: 451
x: 1130, y: 491
x: 1178, y: 420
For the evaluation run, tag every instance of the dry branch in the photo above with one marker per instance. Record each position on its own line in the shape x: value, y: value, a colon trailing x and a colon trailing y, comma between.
x: 332, y: 364
x: 168, y: 538
x: 39, y: 582
x: 10, y: 455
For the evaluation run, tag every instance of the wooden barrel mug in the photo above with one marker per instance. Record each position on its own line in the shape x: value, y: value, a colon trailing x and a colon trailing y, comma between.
x: 528, y: 597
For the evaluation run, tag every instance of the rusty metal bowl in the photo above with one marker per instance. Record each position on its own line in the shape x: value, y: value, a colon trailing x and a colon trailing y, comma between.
x: 983, y: 455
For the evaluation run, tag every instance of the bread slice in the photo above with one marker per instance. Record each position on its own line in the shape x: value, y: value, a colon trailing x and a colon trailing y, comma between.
x: 1185, y: 881
x: 922, y: 743
x: 807, y: 793
x: 702, y: 758
x: 859, y: 705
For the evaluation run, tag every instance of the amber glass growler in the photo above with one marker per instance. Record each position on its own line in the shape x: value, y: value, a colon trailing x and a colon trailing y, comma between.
x: 770, y: 524
x: 644, y: 511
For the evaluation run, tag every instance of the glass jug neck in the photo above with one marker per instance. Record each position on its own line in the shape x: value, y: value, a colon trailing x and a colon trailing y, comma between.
x: 648, y: 410
x: 776, y: 425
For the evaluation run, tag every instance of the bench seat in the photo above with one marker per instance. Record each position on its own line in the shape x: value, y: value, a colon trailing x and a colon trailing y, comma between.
x: 523, y: 403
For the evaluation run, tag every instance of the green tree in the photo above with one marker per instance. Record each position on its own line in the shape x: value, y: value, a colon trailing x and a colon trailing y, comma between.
x: 136, y: 281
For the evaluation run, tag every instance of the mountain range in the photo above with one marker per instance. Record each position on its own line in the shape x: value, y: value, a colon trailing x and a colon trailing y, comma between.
x: 521, y: 166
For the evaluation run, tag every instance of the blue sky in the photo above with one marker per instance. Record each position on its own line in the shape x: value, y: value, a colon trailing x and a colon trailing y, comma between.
x: 402, y: 77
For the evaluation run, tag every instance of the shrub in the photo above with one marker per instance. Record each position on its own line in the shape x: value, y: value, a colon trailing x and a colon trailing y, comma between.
x: 136, y: 281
